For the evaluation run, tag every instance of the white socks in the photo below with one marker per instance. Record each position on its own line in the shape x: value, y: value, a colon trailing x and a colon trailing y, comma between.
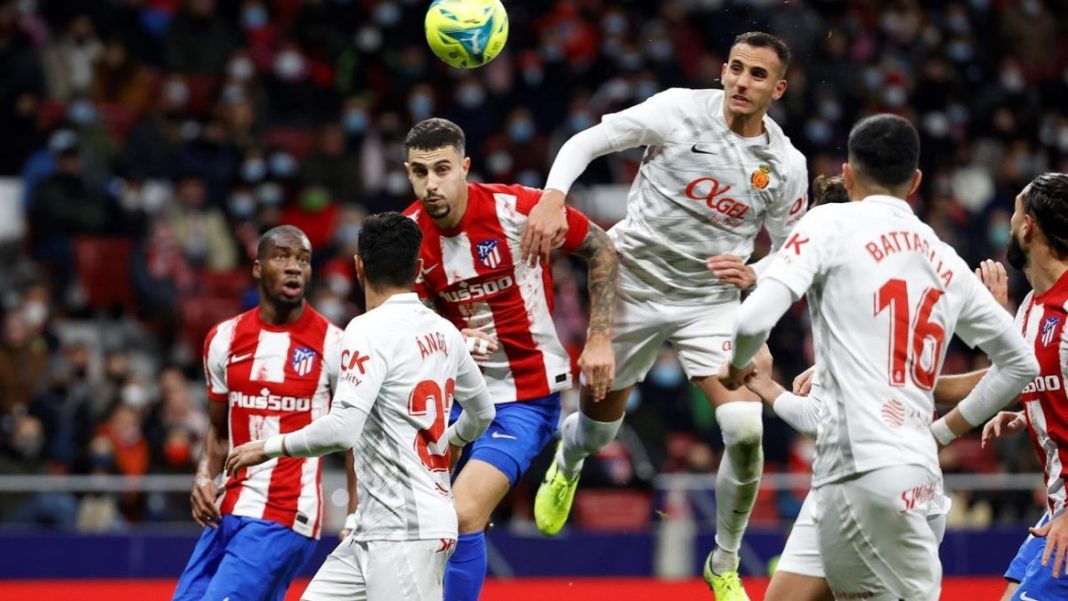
x: 737, y: 479
x: 583, y: 437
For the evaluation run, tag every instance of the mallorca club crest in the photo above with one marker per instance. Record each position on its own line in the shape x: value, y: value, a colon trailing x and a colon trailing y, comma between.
x: 761, y: 177
x: 1049, y: 327
x: 303, y: 360
x: 488, y: 253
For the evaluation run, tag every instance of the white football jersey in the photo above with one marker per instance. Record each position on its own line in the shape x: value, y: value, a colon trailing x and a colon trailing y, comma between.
x: 402, y: 364
x: 702, y: 190
x: 885, y: 295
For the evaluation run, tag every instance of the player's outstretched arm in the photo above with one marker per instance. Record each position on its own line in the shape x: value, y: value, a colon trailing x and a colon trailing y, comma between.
x: 952, y: 389
x: 1014, y: 367
x: 216, y: 444
x: 547, y: 225
x: 597, y: 361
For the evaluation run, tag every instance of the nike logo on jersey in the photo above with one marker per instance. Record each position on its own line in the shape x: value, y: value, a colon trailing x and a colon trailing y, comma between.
x: 424, y: 272
x: 698, y: 150
x: 1026, y: 597
x: 499, y: 435
x: 238, y: 358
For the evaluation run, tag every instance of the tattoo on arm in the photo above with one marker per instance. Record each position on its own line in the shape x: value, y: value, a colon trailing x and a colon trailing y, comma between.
x: 603, y: 263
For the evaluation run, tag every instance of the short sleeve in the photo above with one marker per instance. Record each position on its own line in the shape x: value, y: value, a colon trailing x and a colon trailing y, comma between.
x: 645, y: 124
x: 790, y: 207
x: 216, y: 348
x: 332, y: 354
x: 804, y: 255
x: 363, y: 369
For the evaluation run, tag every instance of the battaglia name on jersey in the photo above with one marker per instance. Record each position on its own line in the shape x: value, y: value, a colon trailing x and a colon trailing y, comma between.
x: 895, y: 242
x: 270, y: 402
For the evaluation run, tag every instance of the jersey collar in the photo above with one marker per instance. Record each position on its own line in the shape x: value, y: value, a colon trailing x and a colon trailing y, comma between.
x: 403, y: 297
x: 890, y: 201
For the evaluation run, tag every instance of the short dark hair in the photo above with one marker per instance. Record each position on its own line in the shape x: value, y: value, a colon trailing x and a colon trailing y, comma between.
x: 1047, y: 201
x: 433, y: 133
x: 389, y: 247
x: 267, y: 240
x: 886, y: 148
x: 759, y: 39
x: 829, y: 189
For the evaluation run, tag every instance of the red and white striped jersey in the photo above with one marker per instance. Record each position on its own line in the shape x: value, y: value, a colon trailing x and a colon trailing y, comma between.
x: 476, y: 277
x: 1041, y: 319
x: 276, y: 379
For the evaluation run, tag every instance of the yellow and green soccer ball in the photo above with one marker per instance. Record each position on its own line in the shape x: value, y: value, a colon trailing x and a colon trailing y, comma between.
x: 466, y: 33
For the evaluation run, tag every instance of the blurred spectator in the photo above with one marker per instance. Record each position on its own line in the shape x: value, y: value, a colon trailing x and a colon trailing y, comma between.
x: 199, y: 39
x: 200, y: 231
x: 331, y: 166
x: 69, y: 59
x: 23, y: 361
x: 119, y: 78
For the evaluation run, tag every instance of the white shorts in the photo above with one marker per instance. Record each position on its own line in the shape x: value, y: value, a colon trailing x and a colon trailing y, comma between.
x: 700, y: 334
x: 801, y: 554
x: 382, y: 570
x: 874, y: 537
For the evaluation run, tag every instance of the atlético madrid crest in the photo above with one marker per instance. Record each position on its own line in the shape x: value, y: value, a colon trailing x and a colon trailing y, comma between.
x: 488, y: 253
x: 1048, y: 328
x: 303, y: 360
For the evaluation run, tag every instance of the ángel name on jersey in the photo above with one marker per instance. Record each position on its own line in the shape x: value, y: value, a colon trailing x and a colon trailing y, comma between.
x: 431, y: 343
x: 268, y: 401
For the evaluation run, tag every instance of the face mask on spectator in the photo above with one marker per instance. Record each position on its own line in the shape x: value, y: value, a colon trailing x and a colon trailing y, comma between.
x: 579, y: 121
x: 242, y: 205
x: 242, y: 68
x: 387, y: 13
x: 81, y: 112
x: 818, y: 131
x: 614, y: 24
x: 470, y: 96
x: 253, y: 170
x: 283, y: 165
x: 270, y: 194
x: 176, y: 92
x: 998, y: 234
x: 521, y: 131
x: 397, y: 183
x: 660, y: 49
x: 254, y: 17
x: 421, y: 106
x: 339, y: 284
x: 533, y: 76
x: 289, y: 65
x: 355, y: 121
x: 134, y: 395
x: 830, y: 110
x: 368, y: 39
x: 332, y: 309
x: 347, y: 234
x: 894, y: 96
x: 644, y: 90
x: 630, y: 60
x: 666, y: 374
x: 35, y: 313
x: 1011, y: 79
x: 530, y: 178
x: 499, y: 162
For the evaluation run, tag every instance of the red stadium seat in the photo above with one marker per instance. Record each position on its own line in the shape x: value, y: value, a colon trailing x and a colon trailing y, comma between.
x: 297, y: 142
x: 226, y: 284
x: 118, y: 119
x: 613, y: 510
x: 103, y: 267
x: 199, y: 314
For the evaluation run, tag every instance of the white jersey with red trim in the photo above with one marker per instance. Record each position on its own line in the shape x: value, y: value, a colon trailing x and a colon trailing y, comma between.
x: 1041, y: 319
x: 275, y: 379
x: 474, y: 275
x: 702, y: 190
x: 885, y: 295
x: 403, y: 365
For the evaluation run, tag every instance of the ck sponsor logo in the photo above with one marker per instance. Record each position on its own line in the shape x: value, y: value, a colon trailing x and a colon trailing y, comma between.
x: 1049, y: 328
x: 303, y: 360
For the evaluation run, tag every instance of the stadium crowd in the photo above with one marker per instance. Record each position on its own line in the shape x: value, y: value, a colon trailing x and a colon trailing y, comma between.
x: 148, y: 143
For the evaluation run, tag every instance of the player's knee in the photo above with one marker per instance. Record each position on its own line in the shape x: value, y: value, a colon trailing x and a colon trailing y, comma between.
x: 741, y: 424
x: 470, y: 516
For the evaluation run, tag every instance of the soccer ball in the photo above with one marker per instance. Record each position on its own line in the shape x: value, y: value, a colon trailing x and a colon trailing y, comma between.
x: 466, y: 33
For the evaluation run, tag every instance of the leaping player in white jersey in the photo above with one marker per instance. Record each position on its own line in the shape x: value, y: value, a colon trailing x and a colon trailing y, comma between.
x: 884, y: 292
x: 401, y: 367
x: 716, y: 170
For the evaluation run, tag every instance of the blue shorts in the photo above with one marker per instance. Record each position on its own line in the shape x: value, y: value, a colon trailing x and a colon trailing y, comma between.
x: 244, y: 559
x: 515, y: 437
x: 1036, y: 580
